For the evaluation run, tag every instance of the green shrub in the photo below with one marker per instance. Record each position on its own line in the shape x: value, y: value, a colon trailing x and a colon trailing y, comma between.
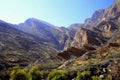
x: 35, y: 74
x: 83, y: 76
x: 96, y: 78
x: 23, y: 74
x: 19, y: 74
x: 58, y: 75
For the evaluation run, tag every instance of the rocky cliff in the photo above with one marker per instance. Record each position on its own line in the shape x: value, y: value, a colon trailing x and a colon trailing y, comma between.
x: 98, y: 29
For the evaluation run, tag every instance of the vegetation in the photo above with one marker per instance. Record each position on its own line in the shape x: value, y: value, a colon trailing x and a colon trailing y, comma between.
x: 19, y: 74
x: 83, y: 76
x: 58, y: 75
x: 96, y: 68
x: 35, y: 74
x: 23, y: 74
x: 96, y: 78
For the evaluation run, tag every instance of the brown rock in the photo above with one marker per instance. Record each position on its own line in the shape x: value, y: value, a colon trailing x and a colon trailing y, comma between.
x: 71, y: 53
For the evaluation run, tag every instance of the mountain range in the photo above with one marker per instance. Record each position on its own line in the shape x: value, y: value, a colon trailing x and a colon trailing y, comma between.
x: 35, y: 41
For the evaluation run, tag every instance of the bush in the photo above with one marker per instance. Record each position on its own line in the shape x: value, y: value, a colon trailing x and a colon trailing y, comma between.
x: 23, y: 74
x: 19, y: 74
x: 35, y: 74
x: 96, y: 78
x: 58, y: 75
x: 83, y: 76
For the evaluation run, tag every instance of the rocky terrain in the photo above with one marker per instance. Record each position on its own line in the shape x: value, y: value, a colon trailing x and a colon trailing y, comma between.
x: 17, y: 47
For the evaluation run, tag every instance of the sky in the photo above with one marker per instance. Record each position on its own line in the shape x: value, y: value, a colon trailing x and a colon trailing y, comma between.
x: 56, y: 12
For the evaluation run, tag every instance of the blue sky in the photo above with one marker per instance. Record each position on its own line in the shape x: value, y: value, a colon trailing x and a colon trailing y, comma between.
x: 56, y: 12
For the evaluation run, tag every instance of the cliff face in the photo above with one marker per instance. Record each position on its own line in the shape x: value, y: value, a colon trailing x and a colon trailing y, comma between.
x: 99, y: 28
x: 85, y: 37
x: 96, y: 17
x: 106, y: 28
x: 103, y: 14
x: 81, y: 38
x: 113, y: 10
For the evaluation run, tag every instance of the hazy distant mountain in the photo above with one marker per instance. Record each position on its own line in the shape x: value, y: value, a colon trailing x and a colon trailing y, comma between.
x: 74, y: 27
x: 46, y: 33
x: 42, y: 30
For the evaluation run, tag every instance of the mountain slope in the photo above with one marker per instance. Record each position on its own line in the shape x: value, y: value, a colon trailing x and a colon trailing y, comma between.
x: 46, y: 33
x: 74, y: 27
x: 17, y: 47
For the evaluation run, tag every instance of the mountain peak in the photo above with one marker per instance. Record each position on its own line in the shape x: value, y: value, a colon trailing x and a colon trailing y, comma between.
x: 37, y: 21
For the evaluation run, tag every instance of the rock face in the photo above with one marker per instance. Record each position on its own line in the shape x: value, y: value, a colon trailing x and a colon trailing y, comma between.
x: 113, y: 10
x: 86, y: 37
x: 96, y: 17
x: 103, y: 14
x: 71, y: 53
x: 106, y: 28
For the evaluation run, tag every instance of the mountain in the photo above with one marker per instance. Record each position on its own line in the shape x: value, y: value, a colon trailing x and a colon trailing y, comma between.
x: 98, y: 29
x: 42, y: 30
x: 96, y: 18
x: 103, y: 14
x: 113, y: 10
x: 95, y: 46
x: 45, y: 32
x: 17, y: 47
x: 74, y: 27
